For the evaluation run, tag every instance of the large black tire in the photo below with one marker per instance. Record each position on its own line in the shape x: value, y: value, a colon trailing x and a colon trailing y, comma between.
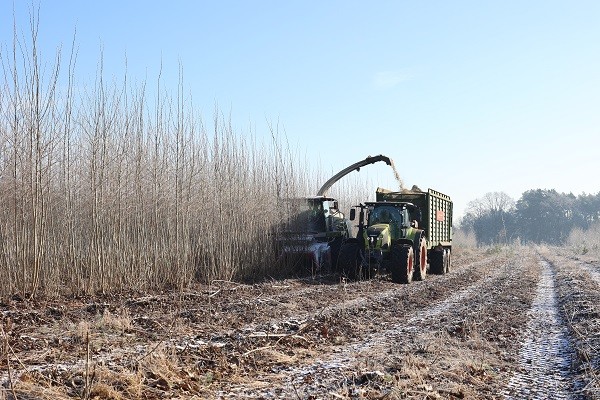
x: 349, y: 260
x: 334, y: 249
x: 437, y: 263
x: 421, y: 260
x: 402, y: 263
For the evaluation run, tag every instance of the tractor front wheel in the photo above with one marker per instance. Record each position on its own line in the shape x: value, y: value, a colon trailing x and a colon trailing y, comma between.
x: 349, y: 261
x: 402, y: 263
x: 334, y: 249
x: 421, y: 260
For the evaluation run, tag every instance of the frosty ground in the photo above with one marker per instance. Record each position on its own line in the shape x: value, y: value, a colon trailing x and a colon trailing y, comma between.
x: 513, y: 322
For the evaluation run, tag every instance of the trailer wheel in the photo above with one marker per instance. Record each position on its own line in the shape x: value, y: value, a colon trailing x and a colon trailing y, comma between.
x: 437, y: 262
x: 421, y: 260
x: 349, y: 260
x: 402, y: 263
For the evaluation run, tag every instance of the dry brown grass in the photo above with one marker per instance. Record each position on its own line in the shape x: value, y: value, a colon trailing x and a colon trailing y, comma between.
x: 449, y: 366
x: 464, y: 239
x: 585, y: 242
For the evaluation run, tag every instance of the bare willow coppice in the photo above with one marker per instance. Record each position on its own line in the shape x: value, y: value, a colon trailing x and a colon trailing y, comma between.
x: 99, y: 191
x: 110, y: 187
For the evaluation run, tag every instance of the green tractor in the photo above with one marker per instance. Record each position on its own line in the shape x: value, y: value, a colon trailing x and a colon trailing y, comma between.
x: 402, y: 232
x: 389, y: 238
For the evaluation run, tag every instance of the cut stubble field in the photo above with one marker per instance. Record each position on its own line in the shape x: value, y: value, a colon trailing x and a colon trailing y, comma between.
x: 511, y: 323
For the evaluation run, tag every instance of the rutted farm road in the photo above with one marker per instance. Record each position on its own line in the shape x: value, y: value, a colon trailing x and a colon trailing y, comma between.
x: 517, y: 323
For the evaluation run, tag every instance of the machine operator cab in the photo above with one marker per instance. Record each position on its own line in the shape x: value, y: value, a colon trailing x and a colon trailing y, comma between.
x: 396, y: 216
x: 314, y: 215
x: 400, y: 214
x: 385, y: 215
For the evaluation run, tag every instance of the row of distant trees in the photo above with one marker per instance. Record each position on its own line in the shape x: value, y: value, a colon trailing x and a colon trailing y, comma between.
x: 538, y: 216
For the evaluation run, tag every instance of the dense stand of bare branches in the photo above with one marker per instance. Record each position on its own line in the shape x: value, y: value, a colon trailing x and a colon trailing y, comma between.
x: 111, y: 188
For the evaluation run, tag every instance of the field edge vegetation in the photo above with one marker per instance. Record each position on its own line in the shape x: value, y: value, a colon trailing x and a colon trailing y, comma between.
x: 117, y: 187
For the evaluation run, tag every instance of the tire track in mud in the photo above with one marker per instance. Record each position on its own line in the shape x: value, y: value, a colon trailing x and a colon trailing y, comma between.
x: 365, y: 297
x: 338, y: 298
x: 359, y: 298
x: 590, y: 266
x: 546, y: 354
x: 332, y: 370
x: 360, y: 295
x: 579, y: 298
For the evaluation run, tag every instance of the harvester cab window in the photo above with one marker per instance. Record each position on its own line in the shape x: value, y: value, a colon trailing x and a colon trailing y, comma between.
x: 306, y: 216
x: 330, y: 208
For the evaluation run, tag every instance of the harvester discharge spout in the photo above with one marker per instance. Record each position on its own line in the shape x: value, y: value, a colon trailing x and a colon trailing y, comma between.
x: 347, y: 170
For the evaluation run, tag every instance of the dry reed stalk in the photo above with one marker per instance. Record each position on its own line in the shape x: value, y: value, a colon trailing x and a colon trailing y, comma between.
x: 6, y: 352
x: 115, y: 188
x: 86, y: 388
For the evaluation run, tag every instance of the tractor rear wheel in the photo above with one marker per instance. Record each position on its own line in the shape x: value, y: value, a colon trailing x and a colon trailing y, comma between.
x: 421, y: 260
x: 402, y: 263
x: 349, y: 260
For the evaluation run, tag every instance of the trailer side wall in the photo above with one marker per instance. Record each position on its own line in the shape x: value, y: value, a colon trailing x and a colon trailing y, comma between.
x: 440, y: 218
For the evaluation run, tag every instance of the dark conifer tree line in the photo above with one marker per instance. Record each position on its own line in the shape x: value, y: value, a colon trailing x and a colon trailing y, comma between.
x: 538, y: 216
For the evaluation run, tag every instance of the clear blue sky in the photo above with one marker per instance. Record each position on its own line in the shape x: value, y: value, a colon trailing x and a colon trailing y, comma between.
x: 467, y: 97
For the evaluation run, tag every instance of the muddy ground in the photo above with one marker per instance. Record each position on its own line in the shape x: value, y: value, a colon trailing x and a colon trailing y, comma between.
x: 505, y: 323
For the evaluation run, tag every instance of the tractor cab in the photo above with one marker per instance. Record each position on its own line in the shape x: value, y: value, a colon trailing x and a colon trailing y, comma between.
x: 399, y: 215
x: 383, y: 225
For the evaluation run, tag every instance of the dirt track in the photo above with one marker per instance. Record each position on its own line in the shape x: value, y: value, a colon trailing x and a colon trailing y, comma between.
x: 516, y: 323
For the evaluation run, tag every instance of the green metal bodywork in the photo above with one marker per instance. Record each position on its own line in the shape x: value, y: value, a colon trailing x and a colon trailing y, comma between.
x: 387, y: 223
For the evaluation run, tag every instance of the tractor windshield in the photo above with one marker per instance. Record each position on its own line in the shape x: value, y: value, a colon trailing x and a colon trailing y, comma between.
x: 385, y: 215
